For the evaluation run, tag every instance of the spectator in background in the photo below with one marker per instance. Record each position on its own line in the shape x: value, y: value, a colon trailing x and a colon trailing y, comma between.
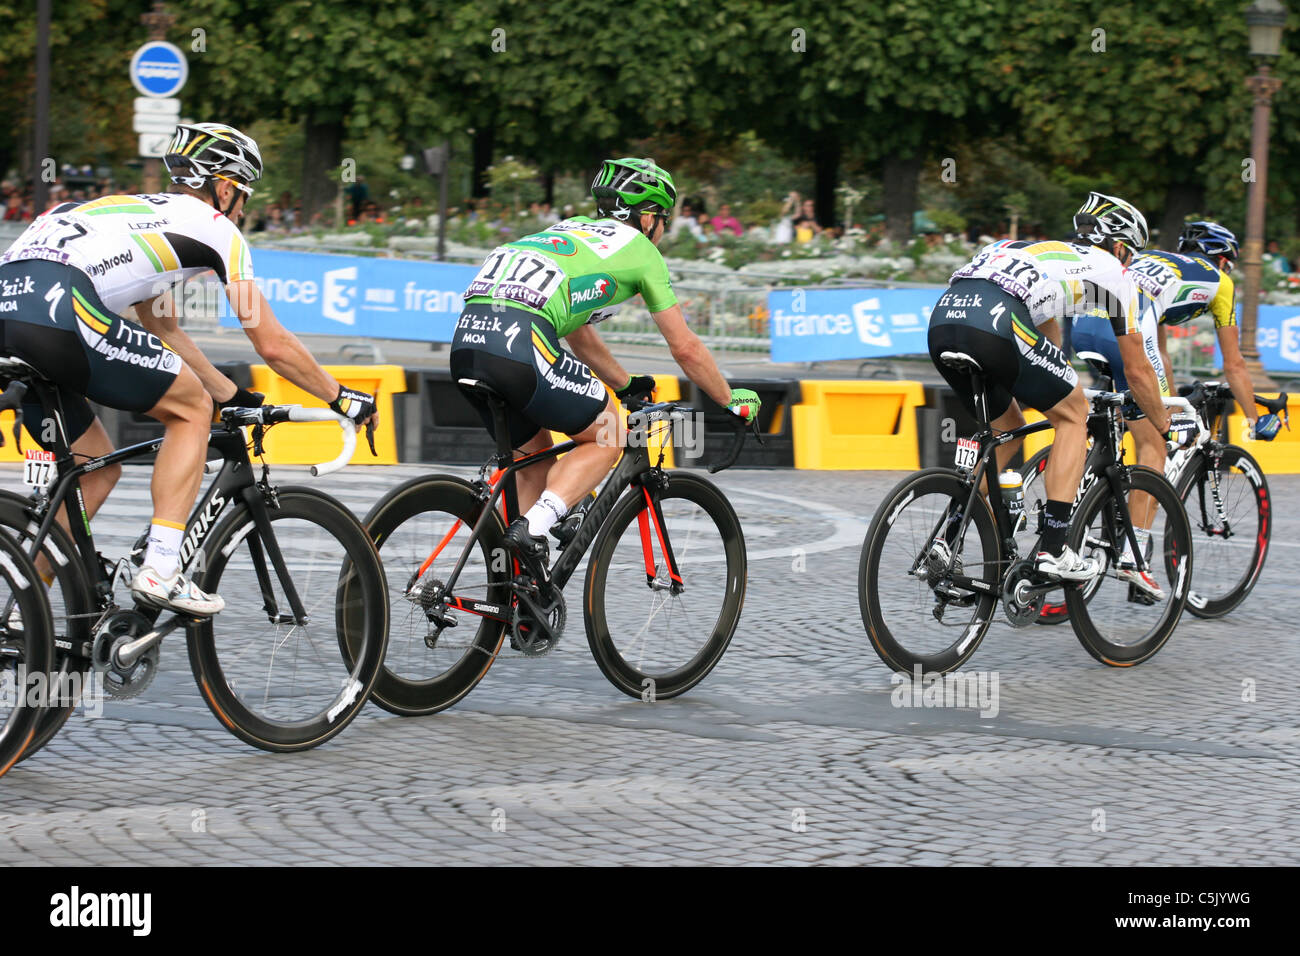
x: 685, y: 221
x: 288, y: 211
x: 1275, y: 259
x: 806, y: 226
x: 783, y: 228
x: 14, y: 211
x: 705, y: 226
x: 725, y: 222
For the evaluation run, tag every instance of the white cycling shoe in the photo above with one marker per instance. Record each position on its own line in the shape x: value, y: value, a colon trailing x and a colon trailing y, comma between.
x: 1142, y: 580
x: 176, y: 593
x: 1066, y: 566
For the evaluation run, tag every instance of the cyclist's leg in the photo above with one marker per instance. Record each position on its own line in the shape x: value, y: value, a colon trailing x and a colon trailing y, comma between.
x: 1048, y: 382
x: 991, y: 352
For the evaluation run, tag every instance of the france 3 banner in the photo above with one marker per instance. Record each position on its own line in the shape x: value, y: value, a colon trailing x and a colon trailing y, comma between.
x: 818, y: 325
x: 1277, y: 336
x: 359, y: 297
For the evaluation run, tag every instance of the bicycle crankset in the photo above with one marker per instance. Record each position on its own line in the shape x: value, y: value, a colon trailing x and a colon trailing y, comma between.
x: 1020, y: 604
x: 116, y: 630
x: 538, y: 620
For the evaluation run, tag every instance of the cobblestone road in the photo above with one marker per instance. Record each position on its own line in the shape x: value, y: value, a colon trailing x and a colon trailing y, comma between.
x: 790, y: 752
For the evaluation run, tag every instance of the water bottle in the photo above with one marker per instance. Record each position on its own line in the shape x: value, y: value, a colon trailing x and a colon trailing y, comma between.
x: 1013, y: 496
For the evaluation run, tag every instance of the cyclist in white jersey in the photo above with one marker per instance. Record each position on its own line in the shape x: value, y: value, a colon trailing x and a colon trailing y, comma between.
x: 63, y: 286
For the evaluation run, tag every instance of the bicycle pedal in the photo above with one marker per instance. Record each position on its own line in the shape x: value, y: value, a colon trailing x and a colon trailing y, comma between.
x: 1137, y: 596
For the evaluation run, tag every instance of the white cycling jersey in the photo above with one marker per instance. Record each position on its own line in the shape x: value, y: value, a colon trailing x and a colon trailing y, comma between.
x: 1058, y: 280
x: 135, y: 247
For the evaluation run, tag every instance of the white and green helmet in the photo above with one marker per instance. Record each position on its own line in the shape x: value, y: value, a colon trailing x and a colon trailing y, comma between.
x: 627, y: 186
x: 200, y: 152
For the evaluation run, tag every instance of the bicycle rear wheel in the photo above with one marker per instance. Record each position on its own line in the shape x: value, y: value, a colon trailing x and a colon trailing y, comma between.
x: 1114, y: 621
x: 273, y: 682
x: 73, y: 612
x: 429, y: 666
x: 1230, y: 510
x: 656, y: 626
x: 913, y: 617
x: 26, y: 652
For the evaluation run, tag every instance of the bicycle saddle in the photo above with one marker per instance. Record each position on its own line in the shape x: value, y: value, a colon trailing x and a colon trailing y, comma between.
x: 960, y: 361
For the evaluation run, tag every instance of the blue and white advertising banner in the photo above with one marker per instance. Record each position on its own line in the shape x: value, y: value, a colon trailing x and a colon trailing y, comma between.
x: 1277, y: 336
x: 818, y: 325
x: 361, y: 298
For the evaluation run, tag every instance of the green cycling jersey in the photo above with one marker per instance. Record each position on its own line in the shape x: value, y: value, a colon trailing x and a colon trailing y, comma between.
x: 574, y: 272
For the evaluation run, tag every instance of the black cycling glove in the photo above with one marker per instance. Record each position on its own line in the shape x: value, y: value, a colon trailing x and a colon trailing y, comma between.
x: 638, y: 386
x: 357, y: 406
x: 243, y: 398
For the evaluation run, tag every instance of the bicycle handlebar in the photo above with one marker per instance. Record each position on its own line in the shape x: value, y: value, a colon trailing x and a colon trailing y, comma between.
x: 273, y: 414
x: 664, y: 411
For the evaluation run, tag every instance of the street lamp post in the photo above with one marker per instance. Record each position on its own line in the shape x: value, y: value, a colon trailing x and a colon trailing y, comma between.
x: 1265, y: 20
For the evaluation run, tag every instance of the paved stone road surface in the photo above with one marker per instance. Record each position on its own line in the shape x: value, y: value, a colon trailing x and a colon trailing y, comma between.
x: 790, y: 752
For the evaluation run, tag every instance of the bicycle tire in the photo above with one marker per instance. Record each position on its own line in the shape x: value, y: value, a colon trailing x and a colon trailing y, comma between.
x: 350, y: 580
x: 655, y: 674
x: 1176, y: 561
x: 433, y: 504
x: 27, y: 641
x: 943, y: 483
x: 73, y: 610
x: 1197, y: 473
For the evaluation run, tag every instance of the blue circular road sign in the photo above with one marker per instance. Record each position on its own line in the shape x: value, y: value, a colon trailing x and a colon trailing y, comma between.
x: 159, y: 69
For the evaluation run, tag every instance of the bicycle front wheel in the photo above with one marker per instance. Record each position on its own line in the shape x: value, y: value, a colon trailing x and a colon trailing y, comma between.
x: 285, y: 674
x: 1113, y: 619
x: 915, y: 615
x: 1230, y: 510
x: 26, y: 652
x: 665, y: 586
x: 437, y: 655
x: 73, y: 611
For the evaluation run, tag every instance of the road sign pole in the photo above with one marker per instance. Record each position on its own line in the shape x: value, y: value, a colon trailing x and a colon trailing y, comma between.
x: 41, y: 146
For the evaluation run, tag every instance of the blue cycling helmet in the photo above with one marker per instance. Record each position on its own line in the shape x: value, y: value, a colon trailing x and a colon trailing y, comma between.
x: 1209, y: 238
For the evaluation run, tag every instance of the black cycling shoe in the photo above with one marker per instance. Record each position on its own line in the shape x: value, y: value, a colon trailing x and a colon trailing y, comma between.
x: 532, y: 550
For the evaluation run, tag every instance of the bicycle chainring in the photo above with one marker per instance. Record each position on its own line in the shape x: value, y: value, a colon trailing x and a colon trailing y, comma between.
x: 114, y: 631
x: 1020, y: 606
x: 536, y: 626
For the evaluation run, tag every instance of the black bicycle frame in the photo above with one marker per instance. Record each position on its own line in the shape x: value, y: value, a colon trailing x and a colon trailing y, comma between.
x: 631, y: 469
x: 234, y: 481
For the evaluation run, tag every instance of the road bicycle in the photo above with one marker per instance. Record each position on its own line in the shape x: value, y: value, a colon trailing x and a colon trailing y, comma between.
x: 1223, y: 488
x: 664, y: 585
x: 290, y: 661
x: 940, y: 555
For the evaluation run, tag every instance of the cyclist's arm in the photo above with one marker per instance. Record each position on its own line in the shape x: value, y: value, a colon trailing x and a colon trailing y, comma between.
x: 1052, y: 329
x: 1162, y: 340
x: 277, y: 346
x: 1142, y: 379
x: 691, y: 354
x: 591, y: 348
x: 158, y: 315
x: 1234, y: 370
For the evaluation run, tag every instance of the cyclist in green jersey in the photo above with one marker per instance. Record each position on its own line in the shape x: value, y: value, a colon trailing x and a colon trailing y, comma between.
x: 559, y: 284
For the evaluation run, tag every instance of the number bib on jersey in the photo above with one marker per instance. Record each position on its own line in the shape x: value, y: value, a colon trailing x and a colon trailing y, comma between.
x: 517, y: 276
x: 38, y: 468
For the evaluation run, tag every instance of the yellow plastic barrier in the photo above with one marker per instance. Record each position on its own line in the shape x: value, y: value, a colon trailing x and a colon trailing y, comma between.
x: 1281, y: 456
x: 310, y: 443
x: 857, y: 425
x: 10, y: 451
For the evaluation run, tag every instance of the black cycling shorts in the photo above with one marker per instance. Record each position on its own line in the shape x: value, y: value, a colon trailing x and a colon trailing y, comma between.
x: 519, y: 354
x: 52, y: 318
x: 976, y: 317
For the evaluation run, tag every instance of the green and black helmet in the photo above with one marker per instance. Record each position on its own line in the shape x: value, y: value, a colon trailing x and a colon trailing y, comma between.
x: 625, y: 188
